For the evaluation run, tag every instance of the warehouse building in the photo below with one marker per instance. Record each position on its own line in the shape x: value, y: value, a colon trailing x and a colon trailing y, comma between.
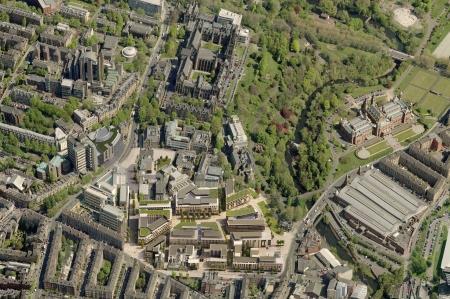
x: 379, y: 207
x: 445, y: 264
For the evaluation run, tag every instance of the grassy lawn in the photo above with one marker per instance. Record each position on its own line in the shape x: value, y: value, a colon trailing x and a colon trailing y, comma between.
x: 240, y: 194
x: 196, y: 74
x: 241, y: 212
x: 165, y: 213
x: 408, y: 78
x: 211, y: 46
x: 144, y: 232
x: 438, y: 7
x: 427, y: 122
x: 271, y: 221
x: 380, y: 146
x: 239, y: 52
x: 381, y: 100
x: 351, y: 161
x: 424, y: 79
x: 443, y: 87
x: 439, y: 33
x: 185, y: 223
x: 210, y: 225
x: 359, y: 91
x: 153, y: 202
x: 402, y: 136
x: 433, y: 103
x: 413, y: 93
x: 410, y: 140
x: 92, y: 8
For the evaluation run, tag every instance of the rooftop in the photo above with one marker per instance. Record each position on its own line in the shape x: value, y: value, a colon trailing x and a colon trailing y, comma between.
x: 445, y: 264
x: 379, y: 202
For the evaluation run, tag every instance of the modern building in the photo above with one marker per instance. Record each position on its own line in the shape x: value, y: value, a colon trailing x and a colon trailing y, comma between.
x: 236, y: 136
x: 112, y: 217
x: 177, y: 137
x: 150, y: 7
x: 197, y: 201
x: 95, y: 198
x: 151, y: 229
x: 77, y: 155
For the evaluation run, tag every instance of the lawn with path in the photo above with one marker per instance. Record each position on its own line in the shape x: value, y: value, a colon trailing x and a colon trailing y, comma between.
x: 378, y: 147
x: 402, y: 136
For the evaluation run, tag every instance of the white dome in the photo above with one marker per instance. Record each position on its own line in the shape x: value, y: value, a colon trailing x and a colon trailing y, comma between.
x: 129, y: 52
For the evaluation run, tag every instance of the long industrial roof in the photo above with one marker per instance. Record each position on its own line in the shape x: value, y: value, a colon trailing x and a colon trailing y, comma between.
x: 379, y: 202
x: 445, y: 264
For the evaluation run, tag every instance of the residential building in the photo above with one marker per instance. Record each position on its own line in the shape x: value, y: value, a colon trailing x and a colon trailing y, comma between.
x: 72, y: 11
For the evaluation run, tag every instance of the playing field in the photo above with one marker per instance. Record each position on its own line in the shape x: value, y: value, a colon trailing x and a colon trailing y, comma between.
x: 442, y: 87
x: 413, y: 93
x: 436, y: 104
x: 424, y: 79
x: 428, y: 91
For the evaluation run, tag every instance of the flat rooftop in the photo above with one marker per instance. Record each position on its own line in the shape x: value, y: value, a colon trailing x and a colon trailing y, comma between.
x: 380, y: 203
x: 153, y: 2
x: 445, y: 264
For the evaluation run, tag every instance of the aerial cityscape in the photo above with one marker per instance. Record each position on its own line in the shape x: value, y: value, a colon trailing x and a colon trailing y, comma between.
x: 225, y: 149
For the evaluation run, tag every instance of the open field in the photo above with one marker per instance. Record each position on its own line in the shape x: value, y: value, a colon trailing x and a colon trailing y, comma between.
x: 424, y: 79
x: 429, y: 92
x: 433, y: 103
x: 351, y: 161
x: 359, y: 91
x: 442, y: 87
x: 378, y: 147
x: 413, y: 93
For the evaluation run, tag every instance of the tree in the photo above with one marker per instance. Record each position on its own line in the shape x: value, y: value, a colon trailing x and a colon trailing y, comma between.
x: 328, y: 7
x: 295, y: 45
x: 4, y: 17
x: 418, y: 264
x: 264, y: 63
